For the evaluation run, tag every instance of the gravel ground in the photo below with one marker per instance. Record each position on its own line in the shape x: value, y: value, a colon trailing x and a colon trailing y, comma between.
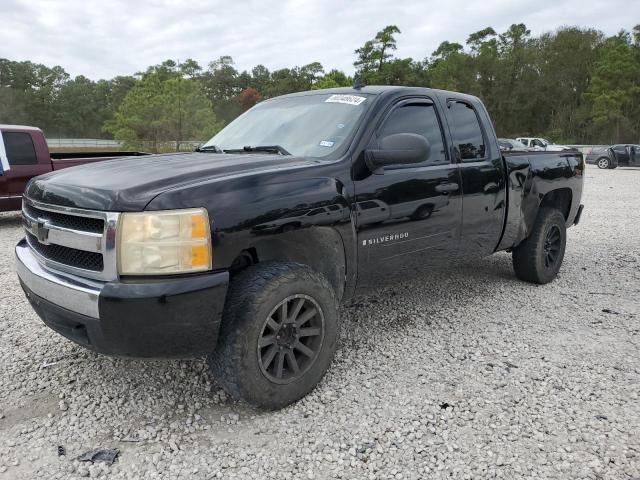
x: 469, y: 374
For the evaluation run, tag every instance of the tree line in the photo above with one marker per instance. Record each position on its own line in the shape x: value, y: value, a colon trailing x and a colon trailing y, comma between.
x: 573, y: 85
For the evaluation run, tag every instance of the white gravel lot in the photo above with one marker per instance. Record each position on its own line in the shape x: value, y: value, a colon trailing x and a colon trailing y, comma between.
x: 468, y: 374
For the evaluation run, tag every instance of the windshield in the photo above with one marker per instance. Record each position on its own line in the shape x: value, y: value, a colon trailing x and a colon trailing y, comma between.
x: 308, y: 125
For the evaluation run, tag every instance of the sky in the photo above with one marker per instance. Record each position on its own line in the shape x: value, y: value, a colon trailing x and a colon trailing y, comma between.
x: 102, y: 39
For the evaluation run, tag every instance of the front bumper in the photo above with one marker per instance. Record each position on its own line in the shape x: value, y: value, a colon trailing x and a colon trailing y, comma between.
x: 150, y: 318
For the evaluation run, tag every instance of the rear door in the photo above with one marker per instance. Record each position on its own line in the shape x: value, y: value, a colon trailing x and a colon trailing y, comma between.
x: 483, y: 178
x: 408, y: 218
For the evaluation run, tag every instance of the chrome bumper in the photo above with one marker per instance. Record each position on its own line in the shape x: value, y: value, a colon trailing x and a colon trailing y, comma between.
x: 74, y: 293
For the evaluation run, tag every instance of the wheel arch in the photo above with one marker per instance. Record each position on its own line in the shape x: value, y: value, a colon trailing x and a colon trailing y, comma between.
x: 320, y: 248
x: 560, y: 199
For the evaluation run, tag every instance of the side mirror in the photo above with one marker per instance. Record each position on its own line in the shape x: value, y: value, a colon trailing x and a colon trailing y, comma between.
x: 398, y: 149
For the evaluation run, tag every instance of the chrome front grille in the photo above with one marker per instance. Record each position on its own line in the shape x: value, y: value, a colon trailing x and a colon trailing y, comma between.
x: 71, y: 239
x: 84, y: 224
x: 66, y: 255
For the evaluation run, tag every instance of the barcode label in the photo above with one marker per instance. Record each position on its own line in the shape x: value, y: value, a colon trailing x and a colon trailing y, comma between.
x: 348, y: 99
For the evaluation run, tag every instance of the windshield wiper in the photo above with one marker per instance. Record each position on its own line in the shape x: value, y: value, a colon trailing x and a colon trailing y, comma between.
x: 261, y: 148
x: 210, y: 148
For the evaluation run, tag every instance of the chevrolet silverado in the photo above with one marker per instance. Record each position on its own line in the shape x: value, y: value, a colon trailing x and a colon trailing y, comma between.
x: 242, y: 250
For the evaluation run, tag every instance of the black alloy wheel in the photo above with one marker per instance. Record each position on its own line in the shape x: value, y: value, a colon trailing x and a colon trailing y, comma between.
x: 291, y: 339
x: 552, y: 246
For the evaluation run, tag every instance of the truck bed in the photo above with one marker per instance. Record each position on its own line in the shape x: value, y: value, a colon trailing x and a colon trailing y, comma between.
x: 531, y: 175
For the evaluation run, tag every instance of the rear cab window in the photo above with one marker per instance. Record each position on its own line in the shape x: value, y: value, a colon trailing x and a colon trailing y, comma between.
x: 468, y: 138
x: 19, y: 148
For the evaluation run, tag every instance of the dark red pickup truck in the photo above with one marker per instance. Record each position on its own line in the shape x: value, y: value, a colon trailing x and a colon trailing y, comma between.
x: 28, y: 156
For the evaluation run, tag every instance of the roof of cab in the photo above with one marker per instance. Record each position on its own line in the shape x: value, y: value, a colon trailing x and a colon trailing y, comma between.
x: 379, y: 89
x: 19, y: 127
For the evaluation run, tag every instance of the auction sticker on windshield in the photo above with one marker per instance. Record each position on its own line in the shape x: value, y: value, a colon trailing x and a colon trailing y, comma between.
x: 348, y: 99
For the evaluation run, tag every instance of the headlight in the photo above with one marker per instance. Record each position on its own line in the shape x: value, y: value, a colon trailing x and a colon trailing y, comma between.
x: 164, y: 242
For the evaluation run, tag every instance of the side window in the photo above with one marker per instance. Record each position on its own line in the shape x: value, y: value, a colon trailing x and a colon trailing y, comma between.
x: 368, y: 205
x: 20, y: 149
x: 315, y: 211
x: 419, y: 118
x: 467, y: 133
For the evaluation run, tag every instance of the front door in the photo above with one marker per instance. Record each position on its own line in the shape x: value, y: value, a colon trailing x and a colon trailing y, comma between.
x: 408, y: 218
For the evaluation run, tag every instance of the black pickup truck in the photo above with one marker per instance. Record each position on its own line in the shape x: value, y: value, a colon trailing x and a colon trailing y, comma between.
x: 243, y: 249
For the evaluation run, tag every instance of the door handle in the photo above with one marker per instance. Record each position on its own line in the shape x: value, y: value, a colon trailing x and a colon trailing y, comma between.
x: 447, y: 188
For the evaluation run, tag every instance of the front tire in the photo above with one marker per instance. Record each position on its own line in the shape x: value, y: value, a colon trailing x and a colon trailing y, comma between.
x: 603, y: 163
x: 278, y: 335
x: 422, y: 213
x: 539, y: 257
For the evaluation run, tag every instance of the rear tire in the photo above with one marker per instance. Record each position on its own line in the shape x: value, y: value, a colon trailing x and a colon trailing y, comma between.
x: 273, y: 349
x: 539, y: 257
x: 603, y: 163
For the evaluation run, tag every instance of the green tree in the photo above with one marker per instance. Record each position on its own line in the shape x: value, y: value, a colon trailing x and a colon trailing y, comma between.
x: 81, y: 110
x: 449, y: 68
x: 516, y: 79
x: 333, y: 79
x: 385, y: 43
x: 565, y: 64
x: 260, y: 78
x: 163, y: 108
x: 375, y: 54
x: 614, y: 93
x: 484, y: 64
x: 220, y: 85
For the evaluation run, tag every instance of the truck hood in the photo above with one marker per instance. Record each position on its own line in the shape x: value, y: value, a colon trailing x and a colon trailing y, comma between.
x: 129, y: 184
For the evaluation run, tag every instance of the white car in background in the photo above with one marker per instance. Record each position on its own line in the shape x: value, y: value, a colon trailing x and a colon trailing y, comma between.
x: 537, y: 143
x: 374, y: 211
x: 327, y: 215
